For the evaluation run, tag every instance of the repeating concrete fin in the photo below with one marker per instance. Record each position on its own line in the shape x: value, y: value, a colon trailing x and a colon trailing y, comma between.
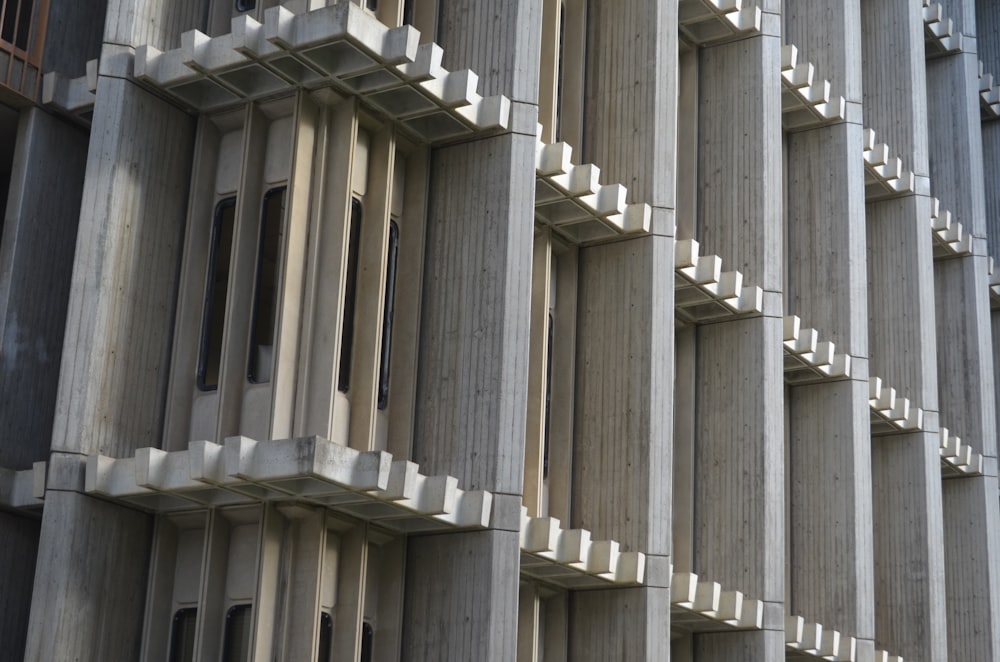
x: 950, y: 238
x: 994, y: 280
x: 73, y: 97
x: 712, y: 21
x: 703, y: 292
x: 940, y: 36
x: 957, y: 459
x: 805, y: 100
x: 367, y: 485
x: 703, y: 606
x: 569, y: 558
x: 884, y: 175
x: 808, y: 360
x: 571, y: 200
x: 340, y: 48
x: 989, y: 95
x: 23, y: 490
x: 891, y: 413
x: 812, y: 640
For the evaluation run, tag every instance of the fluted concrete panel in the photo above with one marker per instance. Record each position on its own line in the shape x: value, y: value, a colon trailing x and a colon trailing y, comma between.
x: 987, y: 34
x: 626, y: 625
x: 827, y: 277
x: 901, y: 298
x: 499, y: 41
x: 766, y: 646
x: 827, y: 34
x: 895, y: 87
x: 116, y: 350
x: 909, y: 549
x: 18, y: 549
x: 831, y: 507
x: 73, y: 33
x: 622, y: 459
x: 972, y: 570
x: 739, y: 464
x: 461, y: 597
x: 36, y: 262
x: 472, y: 383
x: 739, y: 158
x: 90, y: 581
x: 991, y: 178
x: 631, y: 97
x: 153, y: 22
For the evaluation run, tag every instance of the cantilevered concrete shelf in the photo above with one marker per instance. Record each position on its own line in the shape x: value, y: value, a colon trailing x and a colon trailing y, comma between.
x: 807, y: 360
x: 890, y: 413
x: 73, y: 97
x: 571, y: 200
x: 989, y: 95
x: 570, y: 559
x: 339, y: 48
x: 698, y: 606
x: 709, y: 21
x: 940, y: 36
x: 883, y: 656
x: 994, y: 276
x: 23, y: 490
x: 811, y: 641
x: 703, y: 292
x: 957, y: 459
x: 950, y: 238
x: 884, y: 175
x: 805, y: 99
x: 367, y: 485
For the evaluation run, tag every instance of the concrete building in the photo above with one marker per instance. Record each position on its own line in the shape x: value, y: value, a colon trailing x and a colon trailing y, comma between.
x: 467, y: 330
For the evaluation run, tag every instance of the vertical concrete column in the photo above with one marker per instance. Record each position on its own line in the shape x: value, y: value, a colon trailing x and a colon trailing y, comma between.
x: 462, y: 589
x: 964, y: 353
x: 739, y: 441
x: 906, y: 474
x: 625, y: 335
x: 91, y: 571
x: 830, y: 564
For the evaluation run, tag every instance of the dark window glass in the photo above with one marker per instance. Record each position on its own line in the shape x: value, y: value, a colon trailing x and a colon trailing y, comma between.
x: 245, y: 5
x: 182, y: 635
x: 9, y: 21
x: 325, y: 637
x: 367, y: 635
x: 350, y: 291
x: 407, y: 12
x: 387, y: 313
x: 265, y: 298
x: 214, y: 316
x: 561, y: 55
x: 548, y: 398
x: 25, y: 10
x: 371, y: 4
x: 236, y: 645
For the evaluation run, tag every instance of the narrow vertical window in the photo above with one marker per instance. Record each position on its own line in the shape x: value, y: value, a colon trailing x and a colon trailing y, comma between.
x: 350, y: 291
x: 245, y: 5
x: 407, y: 12
x: 214, y: 316
x: 548, y: 398
x: 367, y: 640
x: 389, y: 307
x: 24, y: 15
x: 182, y: 635
x: 262, y: 320
x: 236, y: 645
x: 371, y: 5
x: 560, y: 56
x: 325, y: 637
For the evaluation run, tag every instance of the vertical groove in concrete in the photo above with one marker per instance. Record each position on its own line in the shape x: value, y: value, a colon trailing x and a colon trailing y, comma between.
x: 117, y: 344
x: 153, y: 22
x: 828, y: 34
x: 629, y: 624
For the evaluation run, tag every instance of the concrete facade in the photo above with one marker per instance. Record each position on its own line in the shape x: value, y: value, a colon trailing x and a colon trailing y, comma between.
x: 535, y: 331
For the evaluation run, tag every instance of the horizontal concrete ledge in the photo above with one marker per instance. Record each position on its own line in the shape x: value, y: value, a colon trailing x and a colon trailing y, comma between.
x: 23, y: 490
x: 807, y: 360
x: 883, y: 656
x: 805, y: 100
x: 884, y: 175
x: 700, y: 606
x: 72, y: 97
x: 989, y: 95
x: 703, y: 292
x: 891, y: 413
x: 957, y: 459
x: 940, y: 36
x: 370, y: 486
x: 994, y: 284
x: 950, y: 238
x: 571, y: 200
x: 703, y: 22
x: 812, y: 641
x: 570, y: 559
x: 340, y: 48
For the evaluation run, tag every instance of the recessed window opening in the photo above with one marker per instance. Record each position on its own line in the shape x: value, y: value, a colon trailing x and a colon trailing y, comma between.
x: 214, y: 317
x: 16, y: 28
x: 182, y: 635
x: 371, y: 5
x: 407, y: 12
x: 367, y: 641
x: 325, y: 637
x: 236, y: 645
x: 548, y: 398
x: 390, y: 297
x: 245, y: 5
x: 560, y: 56
x: 262, y: 320
x: 350, y: 292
